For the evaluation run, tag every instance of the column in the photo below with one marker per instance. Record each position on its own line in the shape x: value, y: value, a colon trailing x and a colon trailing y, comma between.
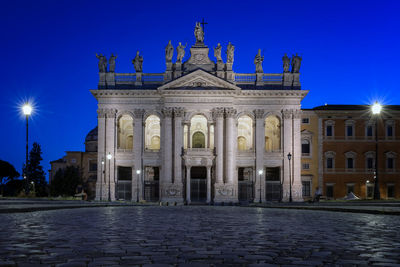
x: 110, y: 148
x: 137, y: 154
x: 167, y: 145
x: 230, y: 147
x: 189, y: 143
x: 297, y: 187
x: 260, y: 149
x: 208, y: 135
x: 178, y: 144
x: 218, y: 114
x: 287, y: 147
x: 209, y: 184
x: 101, y: 124
x: 188, y: 184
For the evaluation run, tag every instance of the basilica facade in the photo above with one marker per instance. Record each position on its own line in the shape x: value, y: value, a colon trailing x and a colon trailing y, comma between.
x: 199, y: 132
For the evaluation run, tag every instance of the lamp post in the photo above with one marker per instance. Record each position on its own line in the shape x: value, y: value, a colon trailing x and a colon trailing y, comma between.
x: 27, y: 110
x: 260, y: 172
x: 376, y: 110
x: 137, y: 185
x: 101, y: 178
x: 289, y: 156
x: 109, y: 157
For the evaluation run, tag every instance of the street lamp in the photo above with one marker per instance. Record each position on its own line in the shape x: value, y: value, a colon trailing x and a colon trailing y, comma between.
x: 260, y: 172
x: 27, y: 110
x: 101, y: 178
x: 376, y: 110
x: 289, y: 156
x: 137, y: 185
x: 109, y: 157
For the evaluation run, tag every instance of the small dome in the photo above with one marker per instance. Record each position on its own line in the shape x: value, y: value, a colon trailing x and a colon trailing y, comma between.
x: 92, y: 135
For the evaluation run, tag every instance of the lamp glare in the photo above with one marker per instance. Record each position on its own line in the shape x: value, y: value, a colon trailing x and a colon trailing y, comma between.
x: 376, y: 108
x: 27, y: 109
x: 109, y: 156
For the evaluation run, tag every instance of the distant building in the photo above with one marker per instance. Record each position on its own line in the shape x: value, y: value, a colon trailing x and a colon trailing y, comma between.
x: 347, y: 150
x: 85, y: 161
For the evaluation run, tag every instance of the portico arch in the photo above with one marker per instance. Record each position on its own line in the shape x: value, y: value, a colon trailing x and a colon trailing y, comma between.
x: 125, y: 132
x: 152, y: 132
x: 198, y: 131
x: 245, y: 133
x: 272, y: 133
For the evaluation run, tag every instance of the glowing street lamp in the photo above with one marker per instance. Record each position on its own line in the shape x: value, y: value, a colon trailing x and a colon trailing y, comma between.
x: 260, y: 172
x: 376, y: 110
x: 27, y: 110
x: 137, y: 185
x: 109, y: 157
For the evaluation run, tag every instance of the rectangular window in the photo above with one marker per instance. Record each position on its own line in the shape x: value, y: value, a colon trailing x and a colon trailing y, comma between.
x: 350, y: 188
x: 92, y: 166
x: 73, y: 160
x: 306, y: 185
x: 329, y: 130
x: 390, y: 191
x: 272, y: 174
x: 306, y: 166
x: 350, y: 163
x: 389, y: 130
x: 369, y: 130
x: 390, y: 163
x: 305, y: 120
x: 370, y: 163
x: 349, y: 130
x: 305, y: 148
x: 329, y: 163
x: 329, y: 191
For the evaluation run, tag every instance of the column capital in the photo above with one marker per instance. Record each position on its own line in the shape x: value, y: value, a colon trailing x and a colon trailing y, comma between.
x: 218, y: 113
x: 230, y: 112
x: 138, y: 113
x: 287, y: 114
x: 167, y: 112
x: 110, y: 112
x: 179, y: 111
x: 101, y: 113
x: 259, y: 113
x: 297, y: 114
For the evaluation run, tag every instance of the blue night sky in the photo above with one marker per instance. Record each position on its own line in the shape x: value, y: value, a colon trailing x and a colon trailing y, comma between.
x: 349, y: 50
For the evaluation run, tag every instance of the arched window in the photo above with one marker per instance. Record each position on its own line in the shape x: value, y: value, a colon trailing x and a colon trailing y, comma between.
x: 272, y: 134
x: 125, y: 132
x: 152, y: 133
x: 242, y: 143
x: 199, y: 140
x: 245, y: 133
x: 198, y: 131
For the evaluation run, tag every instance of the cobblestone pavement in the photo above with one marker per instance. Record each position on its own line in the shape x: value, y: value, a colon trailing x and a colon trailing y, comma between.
x: 200, y: 235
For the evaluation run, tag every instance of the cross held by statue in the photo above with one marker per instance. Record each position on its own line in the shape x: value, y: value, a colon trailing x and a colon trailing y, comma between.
x: 203, y: 23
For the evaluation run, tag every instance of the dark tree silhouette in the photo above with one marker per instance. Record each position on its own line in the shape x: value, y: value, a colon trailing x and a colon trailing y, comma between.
x: 7, y: 173
x: 65, y: 182
x: 34, y: 171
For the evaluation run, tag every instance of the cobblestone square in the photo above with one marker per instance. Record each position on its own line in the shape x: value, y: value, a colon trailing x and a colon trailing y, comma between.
x: 198, y: 235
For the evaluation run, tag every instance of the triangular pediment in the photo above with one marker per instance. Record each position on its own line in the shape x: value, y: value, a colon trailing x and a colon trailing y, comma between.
x: 199, y: 79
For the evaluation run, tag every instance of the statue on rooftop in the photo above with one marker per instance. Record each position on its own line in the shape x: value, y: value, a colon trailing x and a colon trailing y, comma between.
x: 258, y: 60
x: 230, y: 49
x: 169, y: 52
x: 217, y: 52
x: 112, y: 62
x: 296, y: 61
x: 199, y: 33
x: 102, y: 63
x: 181, y: 52
x: 138, y: 62
x: 286, y: 63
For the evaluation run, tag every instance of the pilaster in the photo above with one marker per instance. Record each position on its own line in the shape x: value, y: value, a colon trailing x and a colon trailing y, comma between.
x: 287, y: 148
x: 260, y: 149
x: 138, y: 153
x: 110, y: 149
x: 101, y: 127
x: 297, y: 187
x: 167, y: 149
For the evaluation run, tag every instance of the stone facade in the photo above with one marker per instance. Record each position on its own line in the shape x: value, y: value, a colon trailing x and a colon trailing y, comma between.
x: 199, y: 132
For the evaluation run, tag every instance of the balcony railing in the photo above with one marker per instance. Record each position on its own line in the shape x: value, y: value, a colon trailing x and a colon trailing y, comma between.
x: 125, y: 77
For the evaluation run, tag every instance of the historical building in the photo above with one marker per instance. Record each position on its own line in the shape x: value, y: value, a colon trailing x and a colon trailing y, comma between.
x: 348, y: 147
x: 199, y: 132
x: 86, y: 162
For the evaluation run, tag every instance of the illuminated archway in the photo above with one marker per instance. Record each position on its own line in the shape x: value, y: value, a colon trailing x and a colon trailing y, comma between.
x: 125, y: 132
x: 152, y: 133
x: 272, y: 134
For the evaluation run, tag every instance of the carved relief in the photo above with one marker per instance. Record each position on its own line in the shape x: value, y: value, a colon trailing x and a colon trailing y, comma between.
x: 287, y: 114
x: 173, y: 191
x: 297, y: 114
x: 110, y: 112
x: 138, y: 113
x: 101, y: 113
x: 167, y: 112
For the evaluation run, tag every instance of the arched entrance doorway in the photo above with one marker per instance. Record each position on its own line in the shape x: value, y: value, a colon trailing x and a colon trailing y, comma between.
x: 198, y: 184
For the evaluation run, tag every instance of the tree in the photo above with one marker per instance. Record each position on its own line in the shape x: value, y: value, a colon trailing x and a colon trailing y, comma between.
x: 34, y: 171
x: 7, y: 173
x: 65, y: 182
